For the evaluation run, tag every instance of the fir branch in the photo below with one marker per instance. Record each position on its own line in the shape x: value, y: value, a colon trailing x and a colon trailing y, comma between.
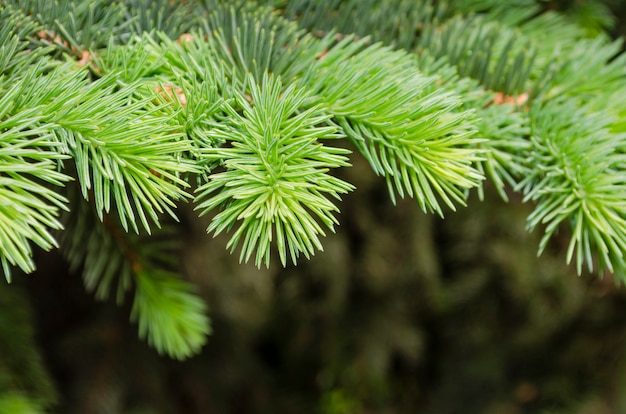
x: 99, y: 248
x: 397, y: 23
x: 256, y: 40
x: 503, y: 124
x: 15, y: 51
x: 182, y: 76
x: 196, y: 107
x: 587, y: 72
x: 123, y: 151
x: 553, y: 39
x: 506, y: 131
x: 594, y: 16
x: 276, y: 174
x: 131, y: 62
x: 28, y: 207
x: 612, y: 102
x: 244, y: 97
x: 73, y: 26
x: 173, y: 18
x: 577, y: 177
x: 510, y: 13
x: 191, y: 58
x: 188, y: 82
x: 169, y: 315
x: 409, y: 133
x: 499, y: 58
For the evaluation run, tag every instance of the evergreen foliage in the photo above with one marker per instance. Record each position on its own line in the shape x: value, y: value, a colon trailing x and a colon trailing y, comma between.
x: 113, y: 114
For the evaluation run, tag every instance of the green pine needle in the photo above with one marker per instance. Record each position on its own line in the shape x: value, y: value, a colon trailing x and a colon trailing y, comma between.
x: 276, y: 184
x: 577, y: 177
x: 124, y: 152
x: 410, y: 132
x: 28, y: 206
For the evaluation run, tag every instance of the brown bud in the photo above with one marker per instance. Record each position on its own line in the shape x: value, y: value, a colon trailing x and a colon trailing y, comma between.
x: 172, y: 91
x: 185, y: 39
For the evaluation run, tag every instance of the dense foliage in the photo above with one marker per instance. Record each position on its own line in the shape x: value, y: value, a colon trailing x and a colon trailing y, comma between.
x: 117, y: 118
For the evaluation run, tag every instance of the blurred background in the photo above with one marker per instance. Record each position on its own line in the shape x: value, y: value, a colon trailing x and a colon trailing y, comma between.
x: 402, y: 313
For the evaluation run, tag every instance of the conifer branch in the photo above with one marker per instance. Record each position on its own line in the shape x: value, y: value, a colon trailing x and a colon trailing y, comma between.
x: 409, y: 132
x: 134, y: 100
x: 169, y: 314
x: 276, y: 174
x: 499, y: 58
x: 577, y: 178
x: 28, y: 207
